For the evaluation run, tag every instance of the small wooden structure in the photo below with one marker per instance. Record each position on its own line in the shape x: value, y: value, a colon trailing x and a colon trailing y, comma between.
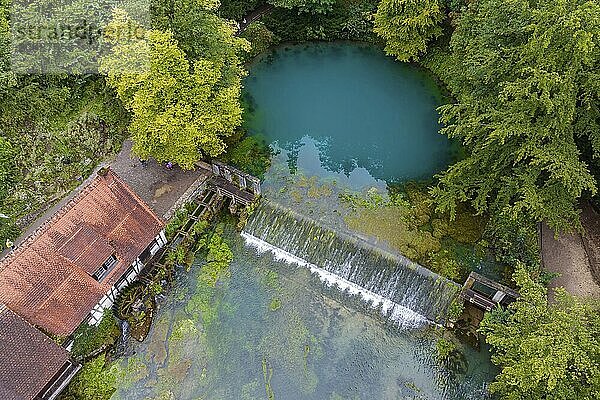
x: 485, y: 293
x: 240, y: 180
x: 225, y: 183
x: 228, y: 182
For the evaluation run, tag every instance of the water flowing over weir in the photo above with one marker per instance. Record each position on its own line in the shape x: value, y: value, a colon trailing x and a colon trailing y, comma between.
x: 406, y: 293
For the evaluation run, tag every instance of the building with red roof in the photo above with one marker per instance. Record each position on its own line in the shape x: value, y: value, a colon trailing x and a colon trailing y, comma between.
x: 73, y: 266
x: 32, y: 367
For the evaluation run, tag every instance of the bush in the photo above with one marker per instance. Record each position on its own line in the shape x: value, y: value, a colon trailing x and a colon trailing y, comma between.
x: 346, y: 19
x: 91, y: 338
x: 236, y: 9
x: 456, y: 309
x: 180, y: 218
x: 94, y: 382
x: 8, y: 231
x: 444, y: 349
x: 515, y: 241
x: 8, y: 168
x: 544, y: 350
x: 251, y: 155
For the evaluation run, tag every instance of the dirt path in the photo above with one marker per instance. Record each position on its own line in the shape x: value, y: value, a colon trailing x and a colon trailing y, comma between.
x: 591, y: 240
x: 573, y: 256
x: 252, y: 16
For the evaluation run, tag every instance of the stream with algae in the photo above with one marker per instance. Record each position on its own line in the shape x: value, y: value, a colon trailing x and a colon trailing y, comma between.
x: 274, y: 331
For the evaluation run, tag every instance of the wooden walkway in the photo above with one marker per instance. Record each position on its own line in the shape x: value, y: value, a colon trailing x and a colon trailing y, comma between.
x: 227, y: 189
x: 239, y: 187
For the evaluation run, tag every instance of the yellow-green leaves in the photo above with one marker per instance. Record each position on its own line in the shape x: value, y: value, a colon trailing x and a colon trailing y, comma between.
x: 545, y: 351
x: 408, y: 25
x: 181, y: 109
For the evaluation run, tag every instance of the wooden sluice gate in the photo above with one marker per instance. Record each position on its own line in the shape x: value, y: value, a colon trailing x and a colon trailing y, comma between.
x: 486, y: 294
x: 478, y: 296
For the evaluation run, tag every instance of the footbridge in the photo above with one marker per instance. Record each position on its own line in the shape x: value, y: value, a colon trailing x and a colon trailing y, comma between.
x: 229, y: 182
x: 220, y: 183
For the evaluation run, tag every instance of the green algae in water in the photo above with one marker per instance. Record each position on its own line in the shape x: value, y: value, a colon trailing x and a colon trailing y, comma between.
x: 315, y: 346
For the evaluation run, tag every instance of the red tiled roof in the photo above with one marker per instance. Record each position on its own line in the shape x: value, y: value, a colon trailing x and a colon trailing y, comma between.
x: 47, y: 279
x: 29, y: 360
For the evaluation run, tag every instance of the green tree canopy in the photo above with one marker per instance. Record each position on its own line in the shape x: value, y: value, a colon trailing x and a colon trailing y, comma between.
x: 545, y: 351
x: 525, y: 76
x: 408, y: 25
x: 314, y: 6
x: 181, y: 110
x: 8, y: 177
x: 7, y: 77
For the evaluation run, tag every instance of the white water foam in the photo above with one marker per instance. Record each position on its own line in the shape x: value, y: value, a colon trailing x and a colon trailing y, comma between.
x: 400, y: 315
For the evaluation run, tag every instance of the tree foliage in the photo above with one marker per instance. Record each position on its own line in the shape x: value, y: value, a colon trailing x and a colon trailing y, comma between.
x: 7, y: 77
x: 525, y: 78
x: 181, y: 109
x: 312, y: 6
x: 545, y: 351
x: 89, y: 338
x: 408, y: 25
x: 95, y: 381
x: 8, y: 168
x: 8, y: 177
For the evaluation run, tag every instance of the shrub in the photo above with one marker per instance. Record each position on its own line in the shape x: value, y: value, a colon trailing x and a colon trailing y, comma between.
x: 251, y: 155
x: 94, y: 382
x: 444, y: 349
x: 91, y: 338
x: 456, y: 309
x: 260, y: 37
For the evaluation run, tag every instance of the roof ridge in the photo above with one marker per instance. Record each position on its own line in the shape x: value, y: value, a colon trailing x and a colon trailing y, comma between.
x: 56, y: 216
x: 103, y: 201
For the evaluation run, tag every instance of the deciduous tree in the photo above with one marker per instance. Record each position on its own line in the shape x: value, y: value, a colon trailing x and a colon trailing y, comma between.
x: 525, y: 77
x: 181, y: 110
x: 545, y: 351
x: 8, y: 168
x: 7, y: 77
x: 408, y: 25
x: 314, y: 6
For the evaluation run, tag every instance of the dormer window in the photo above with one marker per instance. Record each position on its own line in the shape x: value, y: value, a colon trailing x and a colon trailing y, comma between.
x: 106, y: 267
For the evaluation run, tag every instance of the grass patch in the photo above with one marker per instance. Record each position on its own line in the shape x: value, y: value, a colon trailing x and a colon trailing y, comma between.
x: 90, y: 338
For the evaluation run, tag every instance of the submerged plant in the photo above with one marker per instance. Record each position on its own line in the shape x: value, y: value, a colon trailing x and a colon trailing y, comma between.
x: 275, y: 304
x: 456, y: 309
x: 444, y: 349
x: 267, y: 375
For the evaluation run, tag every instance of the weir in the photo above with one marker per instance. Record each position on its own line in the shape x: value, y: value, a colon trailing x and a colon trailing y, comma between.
x: 405, y: 291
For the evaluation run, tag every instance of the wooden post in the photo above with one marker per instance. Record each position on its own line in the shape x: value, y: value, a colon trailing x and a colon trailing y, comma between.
x: 256, y: 187
x: 216, y: 170
x: 242, y: 180
x: 227, y: 174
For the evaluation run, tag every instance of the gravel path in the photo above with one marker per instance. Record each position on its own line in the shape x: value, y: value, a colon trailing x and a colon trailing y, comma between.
x: 574, y: 256
x: 158, y: 186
